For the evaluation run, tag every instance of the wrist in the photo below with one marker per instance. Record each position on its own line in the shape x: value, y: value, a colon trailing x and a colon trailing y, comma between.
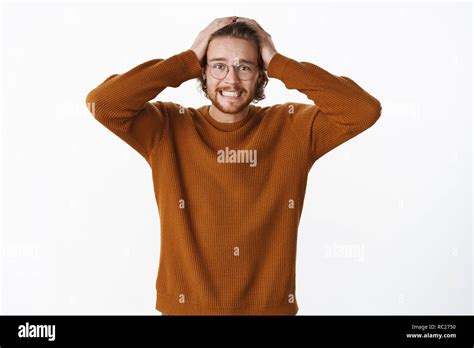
x: 270, y: 57
x: 277, y: 66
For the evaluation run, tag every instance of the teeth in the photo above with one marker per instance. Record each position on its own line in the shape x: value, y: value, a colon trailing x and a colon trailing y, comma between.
x: 230, y: 94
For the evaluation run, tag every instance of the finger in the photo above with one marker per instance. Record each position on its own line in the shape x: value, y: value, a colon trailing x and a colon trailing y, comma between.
x: 228, y: 20
x: 250, y: 21
x: 222, y: 22
x: 255, y: 23
x: 258, y: 25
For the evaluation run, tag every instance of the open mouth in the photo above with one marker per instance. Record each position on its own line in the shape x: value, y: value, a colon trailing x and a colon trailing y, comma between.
x: 231, y: 94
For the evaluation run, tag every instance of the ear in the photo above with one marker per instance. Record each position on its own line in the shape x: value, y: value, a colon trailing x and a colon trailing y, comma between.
x: 203, y: 72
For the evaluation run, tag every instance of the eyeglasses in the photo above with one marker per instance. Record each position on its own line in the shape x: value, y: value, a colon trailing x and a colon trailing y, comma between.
x: 220, y: 71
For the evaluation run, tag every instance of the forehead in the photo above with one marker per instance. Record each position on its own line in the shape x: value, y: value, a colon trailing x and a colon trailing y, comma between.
x: 230, y: 49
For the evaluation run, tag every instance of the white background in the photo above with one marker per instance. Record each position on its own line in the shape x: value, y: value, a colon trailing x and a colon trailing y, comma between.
x: 386, y: 225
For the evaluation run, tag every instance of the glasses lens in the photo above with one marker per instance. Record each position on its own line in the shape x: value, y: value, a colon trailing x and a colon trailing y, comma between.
x: 244, y: 72
x: 219, y: 71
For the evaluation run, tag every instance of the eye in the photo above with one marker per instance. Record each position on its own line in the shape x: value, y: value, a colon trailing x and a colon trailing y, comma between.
x: 245, y: 68
x: 218, y: 66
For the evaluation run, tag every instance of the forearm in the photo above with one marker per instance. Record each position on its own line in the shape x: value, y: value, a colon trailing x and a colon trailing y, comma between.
x: 336, y: 96
x: 124, y: 95
x: 121, y: 102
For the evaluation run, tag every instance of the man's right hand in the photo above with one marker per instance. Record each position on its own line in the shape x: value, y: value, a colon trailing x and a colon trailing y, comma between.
x: 200, y: 44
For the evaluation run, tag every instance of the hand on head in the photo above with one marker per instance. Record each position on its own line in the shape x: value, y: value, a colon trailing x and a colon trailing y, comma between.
x: 267, y: 47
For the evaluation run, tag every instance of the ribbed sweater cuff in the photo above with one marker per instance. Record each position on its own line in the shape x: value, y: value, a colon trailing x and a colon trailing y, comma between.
x: 277, y: 65
x: 191, y: 64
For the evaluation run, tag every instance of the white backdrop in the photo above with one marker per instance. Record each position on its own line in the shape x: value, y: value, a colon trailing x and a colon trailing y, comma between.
x: 386, y: 225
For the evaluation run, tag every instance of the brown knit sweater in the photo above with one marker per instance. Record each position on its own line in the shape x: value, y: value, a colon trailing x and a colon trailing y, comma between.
x: 230, y: 195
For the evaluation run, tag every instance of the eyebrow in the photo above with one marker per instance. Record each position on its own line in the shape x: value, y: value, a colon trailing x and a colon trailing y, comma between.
x: 222, y: 59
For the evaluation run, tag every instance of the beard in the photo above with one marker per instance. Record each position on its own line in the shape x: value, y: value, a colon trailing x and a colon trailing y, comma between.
x: 229, y: 106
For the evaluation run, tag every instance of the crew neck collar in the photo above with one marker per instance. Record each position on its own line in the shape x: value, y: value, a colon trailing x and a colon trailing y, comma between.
x: 224, y: 126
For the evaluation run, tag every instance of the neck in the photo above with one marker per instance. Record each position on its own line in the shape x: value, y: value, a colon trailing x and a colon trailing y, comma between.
x: 223, y: 117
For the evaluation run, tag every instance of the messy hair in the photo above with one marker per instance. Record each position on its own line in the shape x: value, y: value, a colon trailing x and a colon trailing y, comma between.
x: 244, y: 31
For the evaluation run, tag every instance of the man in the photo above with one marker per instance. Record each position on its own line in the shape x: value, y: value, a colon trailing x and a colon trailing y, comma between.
x: 230, y: 178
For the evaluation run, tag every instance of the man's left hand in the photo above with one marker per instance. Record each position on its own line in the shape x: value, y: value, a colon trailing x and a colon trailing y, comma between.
x: 267, y: 47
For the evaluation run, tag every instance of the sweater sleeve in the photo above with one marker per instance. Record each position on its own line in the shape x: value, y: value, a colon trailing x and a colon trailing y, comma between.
x: 122, y: 102
x: 341, y: 110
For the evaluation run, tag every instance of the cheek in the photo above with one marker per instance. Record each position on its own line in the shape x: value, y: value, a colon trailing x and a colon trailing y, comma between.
x: 253, y: 85
x: 212, y: 90
x: 210, y: 86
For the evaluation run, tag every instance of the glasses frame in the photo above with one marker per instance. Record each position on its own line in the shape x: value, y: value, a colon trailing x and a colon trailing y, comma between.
x: 228, y: 69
